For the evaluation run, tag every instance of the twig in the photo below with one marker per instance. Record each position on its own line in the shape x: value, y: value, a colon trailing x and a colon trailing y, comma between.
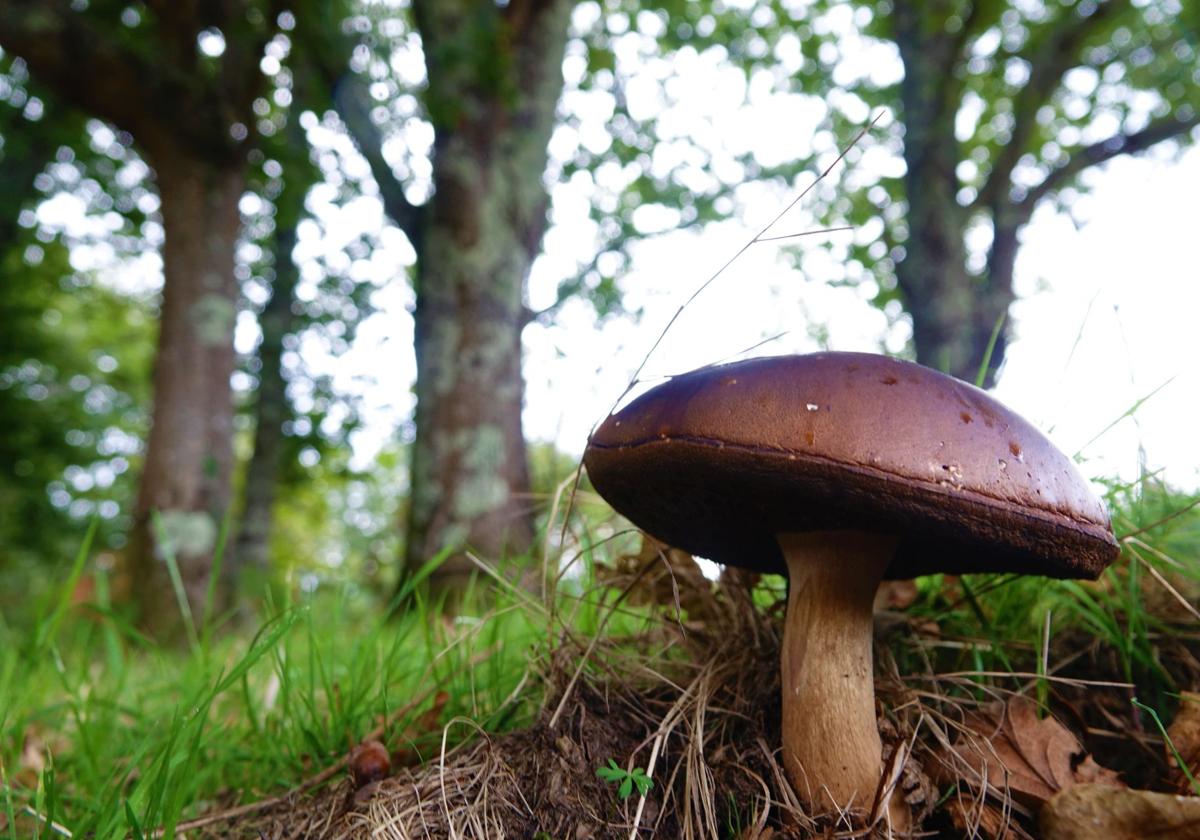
x: 56, y: 827
x: 1024, y: 675
x: 758, y: 237
x: 637, y: 817
x: 1166, y: 584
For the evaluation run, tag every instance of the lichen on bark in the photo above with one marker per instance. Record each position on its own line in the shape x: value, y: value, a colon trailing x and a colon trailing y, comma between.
x: 495, y: 75
x: 185, y: 533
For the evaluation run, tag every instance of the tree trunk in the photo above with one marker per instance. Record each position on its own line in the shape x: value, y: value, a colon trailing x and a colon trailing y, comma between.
x: 470, y: 476
x: 999, y: 295
x: 953, y: 313
x: 271, y: 410
x: 185, y: 490
x: 493, y: 113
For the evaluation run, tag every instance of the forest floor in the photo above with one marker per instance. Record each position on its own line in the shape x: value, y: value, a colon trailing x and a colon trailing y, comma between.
x: 1009, y: 708
x: 695, y: 705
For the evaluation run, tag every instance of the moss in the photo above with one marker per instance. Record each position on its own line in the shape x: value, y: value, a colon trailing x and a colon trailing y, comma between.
x: 185, y: 533
x: 484, y: 487
x: 454, y: 536
x: 213, y: 317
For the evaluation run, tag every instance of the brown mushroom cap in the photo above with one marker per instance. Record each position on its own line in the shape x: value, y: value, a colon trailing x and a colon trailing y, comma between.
x: 720, y: 460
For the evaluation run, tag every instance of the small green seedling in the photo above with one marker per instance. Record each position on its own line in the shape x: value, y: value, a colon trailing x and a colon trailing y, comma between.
x: 627, y: 779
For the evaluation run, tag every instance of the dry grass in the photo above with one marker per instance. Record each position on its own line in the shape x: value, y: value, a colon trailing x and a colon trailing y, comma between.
x: 695, y: 703
x: 693, y: 698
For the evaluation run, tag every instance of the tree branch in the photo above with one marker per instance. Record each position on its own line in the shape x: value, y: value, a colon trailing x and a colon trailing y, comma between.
x: 1050, y: 55
x: 1119, y: 144
x: 439, y: 20
x: 240, y: 79
x: 981, y: 16
x: 146, y: 86
x: 84, y: 67
x: 328, y: 50
x: 352, y: 100
x: 174, y: 21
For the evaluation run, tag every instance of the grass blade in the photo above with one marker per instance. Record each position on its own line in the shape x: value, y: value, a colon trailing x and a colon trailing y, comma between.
x: 47, y: 630
x: 1183, y: 765
x: 185, y: 609
x: 981, y: 374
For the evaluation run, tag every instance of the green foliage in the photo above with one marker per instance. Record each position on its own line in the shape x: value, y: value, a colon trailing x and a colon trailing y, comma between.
x: 338, y: 526
x: 74, y: 352
x: 74, y: 364
x: 136, y: 737
x: 329, y: 301
x: 626, y: 780
x: 1025, y: 96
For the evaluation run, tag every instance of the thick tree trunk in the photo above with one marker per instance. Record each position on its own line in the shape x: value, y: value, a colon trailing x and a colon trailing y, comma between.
x: 953, y: 312
x: 271, y: 410
x: 493, y: 113
x: 470, y: 477
x: 185, y: 489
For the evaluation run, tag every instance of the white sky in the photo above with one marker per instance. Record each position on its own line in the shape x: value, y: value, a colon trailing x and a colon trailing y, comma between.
x: 1125, y: 282
x: 1125, y: 286
x: 1105, y: 311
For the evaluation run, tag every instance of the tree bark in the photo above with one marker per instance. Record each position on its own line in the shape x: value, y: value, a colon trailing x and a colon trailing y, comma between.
x: 493, y: 115
x: 469, y: 465
x: 952, y: 312
x: 271, y: 408
x: 278, y: 320
x: 185, y: 489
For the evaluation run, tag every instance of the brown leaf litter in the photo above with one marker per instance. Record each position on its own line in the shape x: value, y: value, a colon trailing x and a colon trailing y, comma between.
x: 694, y: 703
x: 1184, y: 733
x: 1006, y: 757
x: 694, y: 700
x: 1090, y: 811
x: 1007, y: 746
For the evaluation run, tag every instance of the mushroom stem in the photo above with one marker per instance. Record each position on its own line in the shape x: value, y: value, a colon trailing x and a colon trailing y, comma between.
x: 831, y: 747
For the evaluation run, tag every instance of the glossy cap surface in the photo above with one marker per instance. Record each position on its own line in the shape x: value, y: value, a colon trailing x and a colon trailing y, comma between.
x: 719, y: 460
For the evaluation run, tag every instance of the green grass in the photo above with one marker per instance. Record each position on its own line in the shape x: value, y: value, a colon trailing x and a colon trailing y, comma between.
x: 1013, y: 624
x: 137, y: 737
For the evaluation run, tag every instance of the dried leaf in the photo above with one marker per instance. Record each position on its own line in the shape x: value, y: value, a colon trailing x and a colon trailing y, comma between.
x: 1184, y: 733
x: 1085, y: 812
x: 909, y: 779
x: 1034, y: 758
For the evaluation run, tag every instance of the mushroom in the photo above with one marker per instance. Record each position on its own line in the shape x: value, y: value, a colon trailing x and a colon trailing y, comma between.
x: 841, y: 470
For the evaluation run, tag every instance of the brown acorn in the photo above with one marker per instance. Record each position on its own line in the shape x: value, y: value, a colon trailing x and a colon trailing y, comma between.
x: 369, y: 762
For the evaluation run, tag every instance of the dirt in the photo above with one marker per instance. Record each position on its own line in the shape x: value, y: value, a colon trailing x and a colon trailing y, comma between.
x: 697, y: 705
